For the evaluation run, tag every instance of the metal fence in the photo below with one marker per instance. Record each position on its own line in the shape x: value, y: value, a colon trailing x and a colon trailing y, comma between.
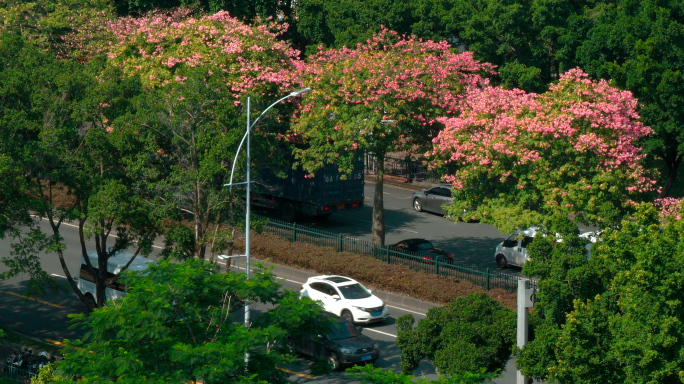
x: 9, y: 371
x: 483, y: 277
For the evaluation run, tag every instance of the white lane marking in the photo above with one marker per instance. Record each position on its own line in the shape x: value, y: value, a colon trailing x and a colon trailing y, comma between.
x: 407, y: 310
x: 381, y: 332
x: 408, y: 230
x: 56, y: 275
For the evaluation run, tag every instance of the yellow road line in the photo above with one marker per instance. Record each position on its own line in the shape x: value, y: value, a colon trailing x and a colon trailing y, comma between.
x: 59, y: 343
x: 37, y: 300
x: 297, y: 373
x: 55, y: 342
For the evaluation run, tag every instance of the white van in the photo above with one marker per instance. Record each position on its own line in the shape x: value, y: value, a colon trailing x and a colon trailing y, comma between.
x: 513, y: 250
x: 86, y: 282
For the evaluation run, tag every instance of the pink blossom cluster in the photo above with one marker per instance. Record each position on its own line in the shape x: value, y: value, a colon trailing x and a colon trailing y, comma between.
x: 393, y: 78
x: 670, y: 207
x: 580, y: 136
x: 391, y: 66
x: 159, y: 46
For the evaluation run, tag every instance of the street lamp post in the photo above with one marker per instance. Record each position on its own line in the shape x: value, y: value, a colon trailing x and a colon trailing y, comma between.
x: 248, y: 187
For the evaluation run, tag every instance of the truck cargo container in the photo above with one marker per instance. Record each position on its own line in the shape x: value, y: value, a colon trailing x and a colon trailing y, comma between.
x: 318, y: 195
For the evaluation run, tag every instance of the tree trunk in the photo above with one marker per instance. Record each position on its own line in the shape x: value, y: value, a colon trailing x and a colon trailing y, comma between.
x: 378, y: 204
x: 672, y: 167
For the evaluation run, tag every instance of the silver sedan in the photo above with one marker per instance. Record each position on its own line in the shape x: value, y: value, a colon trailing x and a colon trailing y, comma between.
x: 432, y: 199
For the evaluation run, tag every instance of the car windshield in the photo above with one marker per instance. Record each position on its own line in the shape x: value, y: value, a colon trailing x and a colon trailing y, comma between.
x: 354, y: 291
x: 424, y: 246
x: 342, y: 330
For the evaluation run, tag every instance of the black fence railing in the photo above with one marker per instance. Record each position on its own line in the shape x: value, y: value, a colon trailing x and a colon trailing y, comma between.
x: 483, y: 277
x: 14, y: 373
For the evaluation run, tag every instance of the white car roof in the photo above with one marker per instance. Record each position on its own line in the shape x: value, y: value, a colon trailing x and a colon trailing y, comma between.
x: 333, y: 279
x: 529, y: 232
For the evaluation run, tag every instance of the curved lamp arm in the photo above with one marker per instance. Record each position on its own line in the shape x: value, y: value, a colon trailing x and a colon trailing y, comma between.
x: 249, y: 129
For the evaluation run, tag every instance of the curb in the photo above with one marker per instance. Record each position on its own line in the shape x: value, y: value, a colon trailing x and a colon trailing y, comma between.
x: 388, y: 297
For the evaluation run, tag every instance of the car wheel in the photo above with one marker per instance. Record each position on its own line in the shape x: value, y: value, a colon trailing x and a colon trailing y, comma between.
x: 501, y: 261
x: 347, y: 316
x: 334, y: 362
x: 418, y: 204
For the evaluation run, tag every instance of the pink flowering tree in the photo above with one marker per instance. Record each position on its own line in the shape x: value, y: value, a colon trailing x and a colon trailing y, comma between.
x: 197, y: 73
x: 379, y: 97
x: 160, y: 47
x: 514, y: 158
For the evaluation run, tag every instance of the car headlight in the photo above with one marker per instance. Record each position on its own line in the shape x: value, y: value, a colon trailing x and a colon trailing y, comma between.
x: 361, y: 308
x: 347, y: 351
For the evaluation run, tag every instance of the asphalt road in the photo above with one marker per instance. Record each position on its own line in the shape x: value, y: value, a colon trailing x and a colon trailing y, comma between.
x: 470, y: 242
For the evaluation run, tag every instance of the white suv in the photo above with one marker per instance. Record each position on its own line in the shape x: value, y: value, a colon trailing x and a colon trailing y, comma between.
x: 513, y: 250
x: 346, y: 298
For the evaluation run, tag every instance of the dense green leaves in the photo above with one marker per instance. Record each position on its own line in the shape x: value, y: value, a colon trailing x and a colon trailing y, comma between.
x: 615, y: 318
x: 180, y: 322
x: 470, y: 334
x: 367, y: 374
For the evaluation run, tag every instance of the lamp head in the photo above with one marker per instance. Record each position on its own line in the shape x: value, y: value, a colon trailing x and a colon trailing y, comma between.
x: 300, y: 92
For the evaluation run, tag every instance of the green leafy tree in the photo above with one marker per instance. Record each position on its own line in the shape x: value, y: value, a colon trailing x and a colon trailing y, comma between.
x: 367, y: 374
x: 641, y: 47
x: 47, y: 375
x: 380, y: 97
x: 470, y: 334
x: 197, y: 73
x: 247, y: 11
x: 616, y: 317
x: 66, y: 165
x: 51, y: 24
x: 179, y: 323
x: 348, y: 22
x: 564, y: 276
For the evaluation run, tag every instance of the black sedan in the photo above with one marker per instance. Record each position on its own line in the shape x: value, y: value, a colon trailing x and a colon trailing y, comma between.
x: 432, y: 199
x: 343, y: 345
x: 425, y: 249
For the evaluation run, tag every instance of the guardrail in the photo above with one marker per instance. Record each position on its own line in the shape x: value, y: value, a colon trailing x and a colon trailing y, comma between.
x: 483, y: 277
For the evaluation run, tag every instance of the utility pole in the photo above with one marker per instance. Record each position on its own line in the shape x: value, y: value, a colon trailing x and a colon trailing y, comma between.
x: 525, y: 300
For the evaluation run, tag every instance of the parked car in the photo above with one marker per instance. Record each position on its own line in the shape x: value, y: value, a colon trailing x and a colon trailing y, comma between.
x: 432, y: 199
x: 345, y: 297
x: 342, y: 344
x: 425, y: 249
x: 513, y: 250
